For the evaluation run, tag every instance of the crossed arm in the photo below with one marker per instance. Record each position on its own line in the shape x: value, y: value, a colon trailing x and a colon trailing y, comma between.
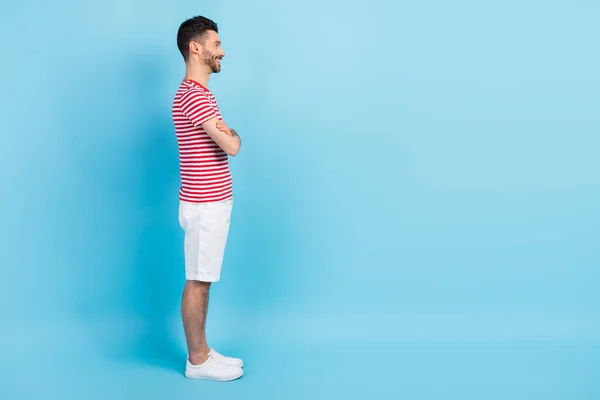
x: 225, y: 137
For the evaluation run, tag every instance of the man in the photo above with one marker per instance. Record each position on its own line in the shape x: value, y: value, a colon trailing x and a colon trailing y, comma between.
x: 205, y: 143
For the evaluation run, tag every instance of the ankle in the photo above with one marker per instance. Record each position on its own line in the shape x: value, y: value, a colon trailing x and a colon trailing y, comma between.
x: 198, y: 357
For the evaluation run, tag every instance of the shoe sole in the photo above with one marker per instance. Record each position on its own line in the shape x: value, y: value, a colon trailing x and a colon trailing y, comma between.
x: 208, y: 378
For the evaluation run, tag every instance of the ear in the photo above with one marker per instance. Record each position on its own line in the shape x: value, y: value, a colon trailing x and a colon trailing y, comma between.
x: 194, y: 47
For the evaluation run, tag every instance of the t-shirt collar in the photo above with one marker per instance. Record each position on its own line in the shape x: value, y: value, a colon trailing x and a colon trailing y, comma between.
x: 196, y: 83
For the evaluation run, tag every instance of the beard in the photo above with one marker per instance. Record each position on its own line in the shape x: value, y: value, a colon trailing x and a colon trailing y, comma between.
x: 212, y: 61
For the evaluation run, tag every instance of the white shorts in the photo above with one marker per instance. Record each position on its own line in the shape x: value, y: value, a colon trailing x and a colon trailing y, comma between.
x: 206, y: 227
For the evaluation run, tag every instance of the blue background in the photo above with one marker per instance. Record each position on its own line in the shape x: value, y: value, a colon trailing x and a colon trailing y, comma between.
x: 417, y: 200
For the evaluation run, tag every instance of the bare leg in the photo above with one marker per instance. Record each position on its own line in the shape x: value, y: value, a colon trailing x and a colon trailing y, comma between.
x: 194, y: 306
x: 205, y: 313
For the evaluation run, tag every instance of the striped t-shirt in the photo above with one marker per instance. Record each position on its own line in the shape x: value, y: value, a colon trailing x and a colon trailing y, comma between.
x: 204, y: 166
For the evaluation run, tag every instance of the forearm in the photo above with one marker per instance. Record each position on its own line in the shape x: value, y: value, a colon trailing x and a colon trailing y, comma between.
x: 227, y: 139
x: 230, y: 144
x: 236, y: 142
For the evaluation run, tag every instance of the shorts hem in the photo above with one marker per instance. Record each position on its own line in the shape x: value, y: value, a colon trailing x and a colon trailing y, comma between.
x: 201, y: 278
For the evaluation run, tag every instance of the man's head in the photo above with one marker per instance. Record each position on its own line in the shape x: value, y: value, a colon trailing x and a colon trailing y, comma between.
x: 198, y: 41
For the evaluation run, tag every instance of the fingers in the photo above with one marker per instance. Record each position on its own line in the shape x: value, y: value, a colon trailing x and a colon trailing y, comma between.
x: 222, y: 126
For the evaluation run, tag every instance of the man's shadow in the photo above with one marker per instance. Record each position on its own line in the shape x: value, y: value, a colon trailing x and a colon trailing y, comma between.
x: 156, y: 276
x: 132, y: 313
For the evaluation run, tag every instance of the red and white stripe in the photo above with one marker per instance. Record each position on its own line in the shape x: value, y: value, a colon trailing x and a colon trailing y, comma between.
x: 204, y: 166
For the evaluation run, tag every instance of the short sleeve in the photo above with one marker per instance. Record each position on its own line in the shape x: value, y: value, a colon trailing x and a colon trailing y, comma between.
x: 196, y: 105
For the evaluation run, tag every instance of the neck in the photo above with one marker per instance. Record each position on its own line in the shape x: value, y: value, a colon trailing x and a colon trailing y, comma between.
x: 197, y: 74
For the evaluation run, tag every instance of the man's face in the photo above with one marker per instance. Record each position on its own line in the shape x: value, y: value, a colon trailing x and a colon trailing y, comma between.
x: 212, y: 53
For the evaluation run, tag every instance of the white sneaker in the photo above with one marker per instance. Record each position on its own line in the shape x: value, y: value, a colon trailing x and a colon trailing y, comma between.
x: 213, y: 370
x: 227, y: 361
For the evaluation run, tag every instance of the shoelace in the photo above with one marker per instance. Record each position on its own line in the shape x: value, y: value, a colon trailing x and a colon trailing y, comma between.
x: 215, y: 363
x: 222, y: 357
x: 218, y: 355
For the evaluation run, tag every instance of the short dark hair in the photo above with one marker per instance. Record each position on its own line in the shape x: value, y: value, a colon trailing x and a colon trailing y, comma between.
x: 193, y: 29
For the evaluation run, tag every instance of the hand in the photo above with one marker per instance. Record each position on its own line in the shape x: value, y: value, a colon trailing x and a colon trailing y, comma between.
x: 222, y: 126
